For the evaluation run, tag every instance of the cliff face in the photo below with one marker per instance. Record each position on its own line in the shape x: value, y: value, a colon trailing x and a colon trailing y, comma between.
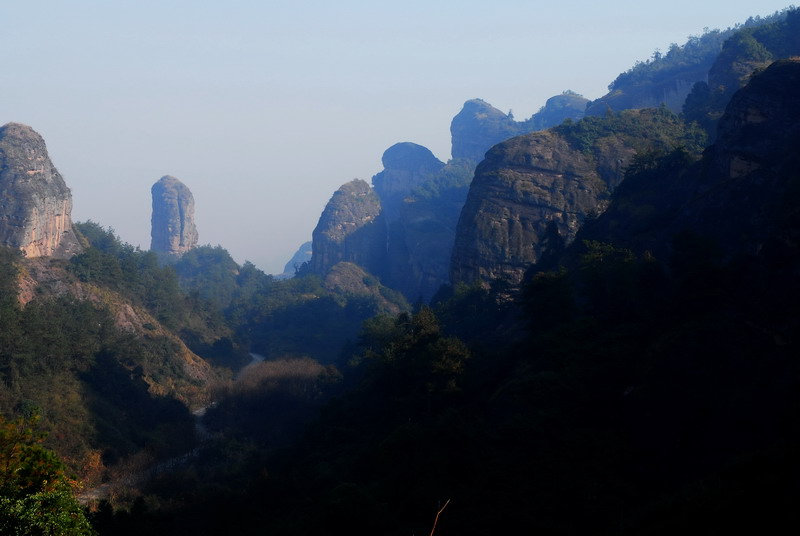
x: 173, y: 230
x: 531, y: 187
x: 350, y: 229
x: 521, y: 187
x: 35, y: 203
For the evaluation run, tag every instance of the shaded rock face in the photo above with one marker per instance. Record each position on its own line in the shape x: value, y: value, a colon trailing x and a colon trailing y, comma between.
x: 406, y: 166
x: 35, y: 203
x: 173, y: 230
x: 421, y: 237
x: 479, y: 126
x: 753, y: 181
x: 350, y: 229
x: 743, y: 194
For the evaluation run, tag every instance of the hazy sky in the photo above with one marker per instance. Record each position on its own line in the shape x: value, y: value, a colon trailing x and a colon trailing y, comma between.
x: 264, y: 108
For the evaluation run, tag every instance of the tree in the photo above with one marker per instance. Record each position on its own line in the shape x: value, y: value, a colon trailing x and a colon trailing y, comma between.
x: 35, y: 493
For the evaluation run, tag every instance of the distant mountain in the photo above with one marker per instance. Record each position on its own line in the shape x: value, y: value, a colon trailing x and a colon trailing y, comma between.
x: 668, y: 78
x: 302, y: 255
x: 479, y: 125
x: 421, y: 198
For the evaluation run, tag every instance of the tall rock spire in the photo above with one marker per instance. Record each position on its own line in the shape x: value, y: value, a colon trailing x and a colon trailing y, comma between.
x: 35, y: 203
x: 173, y: 231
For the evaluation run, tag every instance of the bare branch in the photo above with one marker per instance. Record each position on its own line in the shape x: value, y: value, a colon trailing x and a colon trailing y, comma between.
x: 437, y: 516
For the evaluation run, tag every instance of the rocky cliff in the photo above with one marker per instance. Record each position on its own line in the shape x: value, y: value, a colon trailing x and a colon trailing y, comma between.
x: 35, y: 203
x: 352, y: 229
x: 477, y: 127
x: 173, y: 230
x: 531, y: 186
x: 405, y: 166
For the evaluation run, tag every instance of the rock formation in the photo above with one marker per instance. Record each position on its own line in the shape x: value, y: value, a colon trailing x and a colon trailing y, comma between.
x: 406, y: 166
x: 532, y: 185
x: 568, y: 105
x: 479, y: 126
x: 350, y: 229
x: 35, y: 203
x: 173, y: 231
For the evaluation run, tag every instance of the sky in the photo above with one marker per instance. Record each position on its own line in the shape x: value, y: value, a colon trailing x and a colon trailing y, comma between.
x: 264, y: 108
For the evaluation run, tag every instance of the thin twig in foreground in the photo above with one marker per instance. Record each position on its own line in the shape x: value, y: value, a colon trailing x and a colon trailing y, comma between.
x: 437, y: 516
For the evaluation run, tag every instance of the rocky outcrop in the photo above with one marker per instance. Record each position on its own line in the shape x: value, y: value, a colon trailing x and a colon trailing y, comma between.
x: 532, y: 186
x: 568, y: 105
x: 522, y: 186
x: 173, y: 230
x: 479, y: 126
x: 405, y: 167
x: 350, y: 229
x: 35, y: 203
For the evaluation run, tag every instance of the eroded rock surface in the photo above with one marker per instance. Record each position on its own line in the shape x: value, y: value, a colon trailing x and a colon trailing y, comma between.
x: 173, y: 231
x: 350, y: 229
x: 35, y: 203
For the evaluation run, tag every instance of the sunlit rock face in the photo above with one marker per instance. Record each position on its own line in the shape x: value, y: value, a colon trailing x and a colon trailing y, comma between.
x: 523, y: 187
x: 173, y: 230
x: 350, y: 229
x: 536, y: 190
x: 35, y: 203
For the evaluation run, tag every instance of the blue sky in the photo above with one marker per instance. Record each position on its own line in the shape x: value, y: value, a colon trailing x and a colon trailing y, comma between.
x: 264, y: 108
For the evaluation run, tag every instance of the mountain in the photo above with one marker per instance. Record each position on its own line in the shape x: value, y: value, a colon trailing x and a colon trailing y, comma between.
x: 35, y: 205
x: 173, y: 231
x: 421, y: 197
x: 748, y: 180
x: 538, y: 189
x: 479, y: 125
